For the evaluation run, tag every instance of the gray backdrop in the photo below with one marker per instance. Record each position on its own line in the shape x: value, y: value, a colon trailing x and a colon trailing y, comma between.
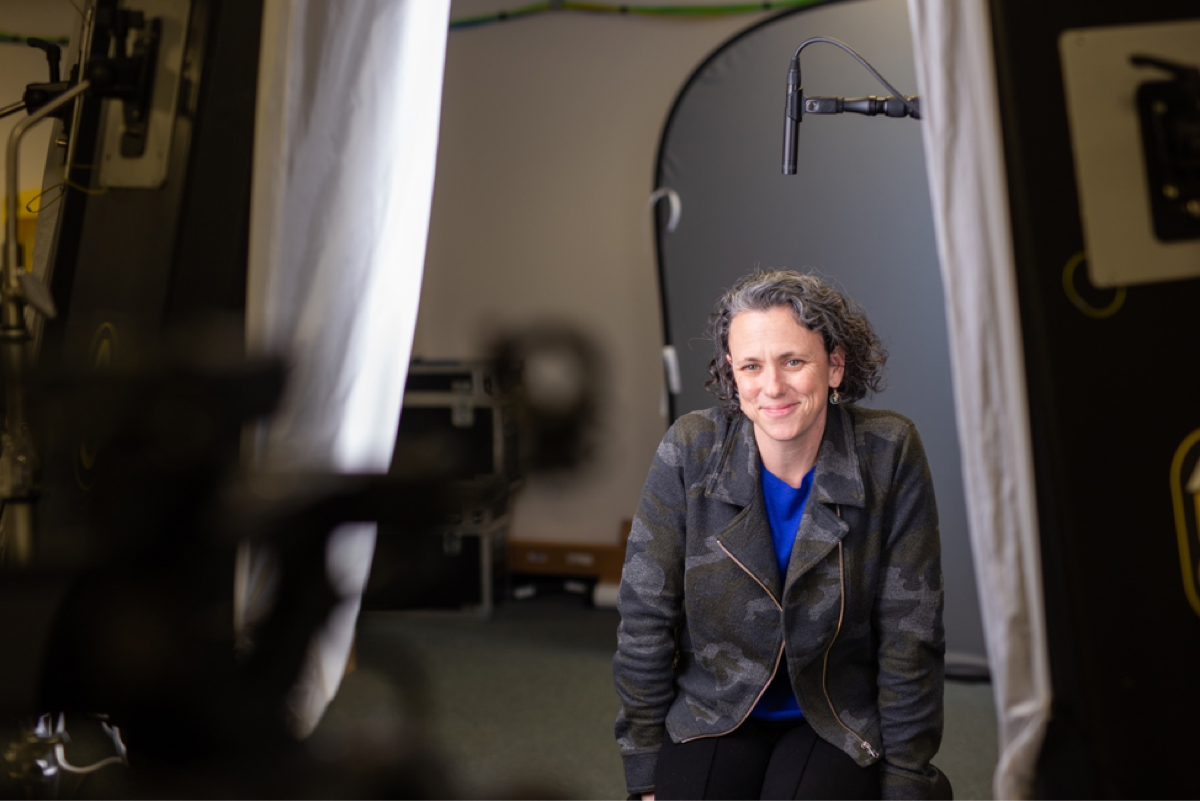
x: 857, y: 212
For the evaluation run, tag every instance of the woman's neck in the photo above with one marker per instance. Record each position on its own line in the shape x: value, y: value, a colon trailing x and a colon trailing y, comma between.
x: 788, y: 461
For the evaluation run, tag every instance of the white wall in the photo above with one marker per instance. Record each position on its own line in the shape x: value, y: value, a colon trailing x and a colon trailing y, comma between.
x: 550, y: 129
x: 21, y: 65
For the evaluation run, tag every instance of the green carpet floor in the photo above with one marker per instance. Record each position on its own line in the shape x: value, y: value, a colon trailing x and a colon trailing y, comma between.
x: 522, y: 705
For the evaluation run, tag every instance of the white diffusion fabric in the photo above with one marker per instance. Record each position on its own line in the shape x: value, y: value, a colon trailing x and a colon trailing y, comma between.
x: 965, y: 162
x: 349, y: 99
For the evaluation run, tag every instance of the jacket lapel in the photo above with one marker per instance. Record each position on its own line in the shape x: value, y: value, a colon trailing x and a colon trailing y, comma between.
x: 837, y: 482
x: 747, y: 538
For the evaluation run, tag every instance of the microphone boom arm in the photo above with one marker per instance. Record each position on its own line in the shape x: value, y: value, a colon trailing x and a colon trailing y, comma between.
x: 895, y: 105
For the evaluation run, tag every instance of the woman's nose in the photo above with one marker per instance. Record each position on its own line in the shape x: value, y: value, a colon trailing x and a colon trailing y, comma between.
x: 774, y: 382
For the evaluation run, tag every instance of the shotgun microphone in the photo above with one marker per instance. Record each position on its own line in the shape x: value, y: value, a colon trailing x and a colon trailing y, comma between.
x: 792, y: 114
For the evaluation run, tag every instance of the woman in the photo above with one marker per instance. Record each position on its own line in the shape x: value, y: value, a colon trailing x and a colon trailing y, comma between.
x: 781, y: 602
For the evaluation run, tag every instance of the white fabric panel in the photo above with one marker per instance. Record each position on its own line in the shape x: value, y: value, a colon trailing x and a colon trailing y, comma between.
x: 349, y: 99
x: 965, y: 162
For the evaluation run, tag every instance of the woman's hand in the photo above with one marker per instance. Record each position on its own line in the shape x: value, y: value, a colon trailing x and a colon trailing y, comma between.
x: 647, y: 796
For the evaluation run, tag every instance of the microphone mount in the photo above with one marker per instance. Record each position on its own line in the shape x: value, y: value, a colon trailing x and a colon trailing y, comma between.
x: 871, y: 106
x: 797, y: 105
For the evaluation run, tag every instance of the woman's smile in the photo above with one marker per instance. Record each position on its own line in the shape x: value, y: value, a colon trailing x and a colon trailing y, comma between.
x: 777, y: 411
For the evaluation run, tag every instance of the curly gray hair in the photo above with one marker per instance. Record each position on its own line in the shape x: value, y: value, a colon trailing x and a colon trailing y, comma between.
x: 818, y: 307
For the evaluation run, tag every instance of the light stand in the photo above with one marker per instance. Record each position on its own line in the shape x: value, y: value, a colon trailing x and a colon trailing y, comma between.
x: 19, y: 288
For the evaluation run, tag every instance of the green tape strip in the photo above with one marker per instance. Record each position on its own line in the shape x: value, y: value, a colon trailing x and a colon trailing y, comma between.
x: 16, y: 38
x: 646, y: 11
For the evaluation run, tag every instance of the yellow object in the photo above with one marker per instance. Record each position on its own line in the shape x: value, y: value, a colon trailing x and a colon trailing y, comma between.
x: 1081, y: 304
x: 26, y: 223
x: 1185, y: 529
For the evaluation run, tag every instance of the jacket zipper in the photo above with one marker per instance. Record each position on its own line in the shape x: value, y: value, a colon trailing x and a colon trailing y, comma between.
x: 825, y: 663
x: 778, y: 656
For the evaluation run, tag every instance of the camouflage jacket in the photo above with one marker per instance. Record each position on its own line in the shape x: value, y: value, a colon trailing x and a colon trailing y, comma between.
x: 705, y: 619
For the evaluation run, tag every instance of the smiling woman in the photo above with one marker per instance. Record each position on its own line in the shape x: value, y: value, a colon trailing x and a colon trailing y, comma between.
x: 788, y: 316
x: 781, y: 604
x: 784, y: 378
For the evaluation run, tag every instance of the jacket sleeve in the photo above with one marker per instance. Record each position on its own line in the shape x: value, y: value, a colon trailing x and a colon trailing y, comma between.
x: 650, y: 603
x: 908, y: 618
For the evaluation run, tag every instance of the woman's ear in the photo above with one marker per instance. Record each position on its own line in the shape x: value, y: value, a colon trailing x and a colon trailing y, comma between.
x: 837, y: 366
x: 729, y: 359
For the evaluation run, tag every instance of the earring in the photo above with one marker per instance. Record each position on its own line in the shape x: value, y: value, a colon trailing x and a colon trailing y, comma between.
x: 834, y: 397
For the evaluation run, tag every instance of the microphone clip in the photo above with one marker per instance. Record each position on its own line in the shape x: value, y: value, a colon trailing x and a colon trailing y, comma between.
x: 871, y: 106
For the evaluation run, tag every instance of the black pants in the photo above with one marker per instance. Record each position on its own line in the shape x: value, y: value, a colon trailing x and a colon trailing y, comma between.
x: 762, y: 760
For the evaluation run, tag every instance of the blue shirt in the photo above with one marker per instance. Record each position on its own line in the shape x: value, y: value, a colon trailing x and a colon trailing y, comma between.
x: 785, y: 506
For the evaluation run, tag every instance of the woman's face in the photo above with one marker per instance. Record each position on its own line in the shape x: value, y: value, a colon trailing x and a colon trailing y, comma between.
x: 783, y: 375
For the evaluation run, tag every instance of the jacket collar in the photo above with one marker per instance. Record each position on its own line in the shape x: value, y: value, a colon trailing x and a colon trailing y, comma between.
x: 837, y: 479
x: 837, y: 482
